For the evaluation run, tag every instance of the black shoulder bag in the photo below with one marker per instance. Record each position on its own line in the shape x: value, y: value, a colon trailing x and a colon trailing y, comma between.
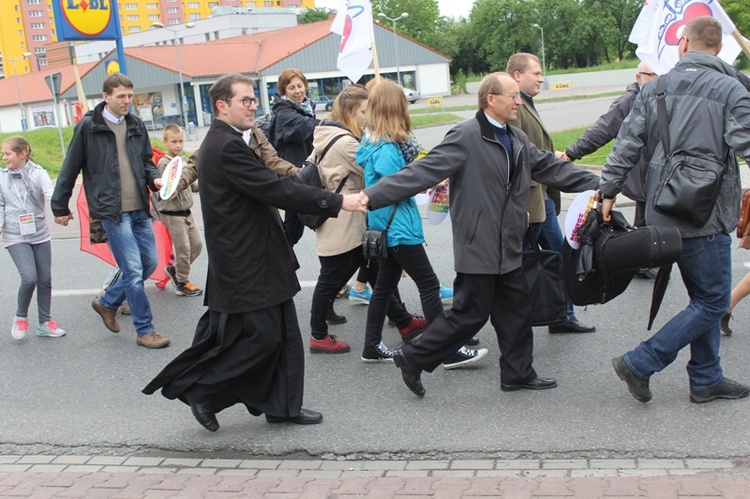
x: 375, y: 242
x: 690, y: 190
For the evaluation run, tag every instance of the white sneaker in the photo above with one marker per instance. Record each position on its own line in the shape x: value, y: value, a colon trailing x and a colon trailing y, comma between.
x: 50, y: 330
x: 19, y: 328
x: 464, y: 357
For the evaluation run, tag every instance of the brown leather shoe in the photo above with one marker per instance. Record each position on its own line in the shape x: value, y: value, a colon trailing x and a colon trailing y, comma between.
x: 152, y: 340
x: 107, y: 315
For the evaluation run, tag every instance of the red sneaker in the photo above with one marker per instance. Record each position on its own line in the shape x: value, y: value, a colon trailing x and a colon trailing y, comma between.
x: 413, y: 329
x: 329, y: 344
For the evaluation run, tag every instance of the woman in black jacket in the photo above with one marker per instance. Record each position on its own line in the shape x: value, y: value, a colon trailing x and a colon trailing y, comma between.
x: 292, y: 136
x: 292, y: 132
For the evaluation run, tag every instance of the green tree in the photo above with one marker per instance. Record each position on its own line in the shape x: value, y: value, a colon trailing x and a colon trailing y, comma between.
x: 420, y: 25
x: 307, y: 16
x: 740, y: 15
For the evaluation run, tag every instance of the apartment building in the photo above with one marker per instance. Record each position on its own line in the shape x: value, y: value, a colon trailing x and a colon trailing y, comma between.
x: 26, y: 26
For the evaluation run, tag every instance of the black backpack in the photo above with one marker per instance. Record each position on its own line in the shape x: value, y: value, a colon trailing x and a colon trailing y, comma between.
x: 309, y: 175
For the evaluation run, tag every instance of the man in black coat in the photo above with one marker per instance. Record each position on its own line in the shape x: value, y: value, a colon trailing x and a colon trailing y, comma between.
x: 247, y: 346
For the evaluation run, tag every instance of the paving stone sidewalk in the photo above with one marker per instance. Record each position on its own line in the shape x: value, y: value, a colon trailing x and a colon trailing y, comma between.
x: 41, y: 476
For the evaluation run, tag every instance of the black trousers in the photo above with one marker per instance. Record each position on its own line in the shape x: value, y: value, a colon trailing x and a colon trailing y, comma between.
x: 335, y: 271
x: 505, y: 300
x: 413, y: 259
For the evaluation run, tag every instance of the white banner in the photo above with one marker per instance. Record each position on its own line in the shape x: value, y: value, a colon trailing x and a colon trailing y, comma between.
x: 354, y: 23
x: 658, y: 30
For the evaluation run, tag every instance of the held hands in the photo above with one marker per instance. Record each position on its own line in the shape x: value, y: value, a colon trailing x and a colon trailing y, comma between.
x: 158, y: 183
x: 63, y: 220
x: 562, y: 155
x: 352, y: 203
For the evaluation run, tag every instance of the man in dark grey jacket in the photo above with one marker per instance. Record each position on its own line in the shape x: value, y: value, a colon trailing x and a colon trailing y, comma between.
x: 606, y: 129
x: 490, y: 165
x: 709, y: 117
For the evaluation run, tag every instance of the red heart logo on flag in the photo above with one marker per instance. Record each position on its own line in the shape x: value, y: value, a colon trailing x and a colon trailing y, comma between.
x: 346, y: 33
x: 693, y: 11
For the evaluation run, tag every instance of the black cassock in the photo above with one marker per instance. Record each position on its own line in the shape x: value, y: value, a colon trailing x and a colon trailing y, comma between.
x: 255, y: 358
x: 247, y: 347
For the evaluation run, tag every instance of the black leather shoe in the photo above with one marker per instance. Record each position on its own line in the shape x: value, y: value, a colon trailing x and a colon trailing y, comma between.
x: 727, y: 389
x: 571, y: 326
x: 411, y: 374
x: 204, y: 414
x: 332, y: 317
x: 473, y: 341
x: 305, y: 416
x: 637, y: 386
x: 535, y: 384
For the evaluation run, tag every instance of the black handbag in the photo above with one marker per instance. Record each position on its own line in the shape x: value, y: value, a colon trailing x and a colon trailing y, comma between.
x: 544, y: 276
x: 375, y: 242
x: 690, y: 190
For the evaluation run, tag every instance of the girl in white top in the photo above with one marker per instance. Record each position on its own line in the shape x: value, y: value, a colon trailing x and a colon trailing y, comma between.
x: 25, y: 187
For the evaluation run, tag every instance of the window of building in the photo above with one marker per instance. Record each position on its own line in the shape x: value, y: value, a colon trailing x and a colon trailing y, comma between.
x: 172, y: 10
x: 37, y: 25
x: 36, y: 13
x: 134, y: 29
x: 152, y: 6
x: 39, y: 38
x: 34, y: 2
x: 195, y: 16
x: 211, y: 5
x: 42, y: 62
x: 193, y: 5
x: 153, y: 17
x: 268, y: 4
x: 133, y: 18
x: 174, y: 21
x: 131, y: 6
x: 40, y: 50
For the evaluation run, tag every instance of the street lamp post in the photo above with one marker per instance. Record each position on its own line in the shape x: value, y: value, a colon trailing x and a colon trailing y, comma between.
x: 544, y: 64
x: 183, y: 97
x: 26, y: 55
x: 395, y: 46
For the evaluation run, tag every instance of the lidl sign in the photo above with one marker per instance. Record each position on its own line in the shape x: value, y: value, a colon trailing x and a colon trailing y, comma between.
x: 85, y: 19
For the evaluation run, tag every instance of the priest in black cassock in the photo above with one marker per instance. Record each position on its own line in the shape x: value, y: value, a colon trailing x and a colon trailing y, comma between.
x: 247, y: 347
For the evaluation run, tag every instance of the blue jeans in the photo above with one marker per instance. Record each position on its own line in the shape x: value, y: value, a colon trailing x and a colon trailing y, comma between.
x: 134, y: 248
x: 706, y: 268
x: 549, y: 236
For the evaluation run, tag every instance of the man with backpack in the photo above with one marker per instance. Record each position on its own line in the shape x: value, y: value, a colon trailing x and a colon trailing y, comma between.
x: 708, y: 114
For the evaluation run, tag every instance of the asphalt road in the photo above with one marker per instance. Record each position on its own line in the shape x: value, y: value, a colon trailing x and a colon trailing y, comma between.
x: 81, y: 393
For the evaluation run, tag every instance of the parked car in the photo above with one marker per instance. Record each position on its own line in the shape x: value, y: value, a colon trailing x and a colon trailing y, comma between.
x: 411, y: 95
x: 325, y: 102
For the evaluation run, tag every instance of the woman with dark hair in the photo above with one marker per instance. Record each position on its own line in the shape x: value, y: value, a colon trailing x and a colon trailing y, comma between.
x: 291, y: 135
x: 339, y: 240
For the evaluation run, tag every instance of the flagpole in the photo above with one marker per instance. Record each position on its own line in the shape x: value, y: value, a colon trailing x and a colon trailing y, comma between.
x: 742, y: 41
x: 375, y: 63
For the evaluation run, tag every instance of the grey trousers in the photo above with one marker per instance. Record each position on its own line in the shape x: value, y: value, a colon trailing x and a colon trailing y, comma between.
x: 34, y: 264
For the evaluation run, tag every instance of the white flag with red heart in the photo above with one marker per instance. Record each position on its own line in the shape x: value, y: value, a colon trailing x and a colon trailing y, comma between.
x: 658, y: 30
x: 354, y: 23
